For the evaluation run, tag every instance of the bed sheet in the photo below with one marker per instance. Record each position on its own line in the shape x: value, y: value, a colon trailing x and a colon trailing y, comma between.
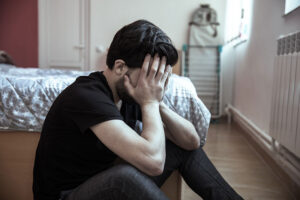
x: 27, y: 94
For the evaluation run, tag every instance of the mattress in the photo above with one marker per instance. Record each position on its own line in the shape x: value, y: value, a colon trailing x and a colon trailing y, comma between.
x: 26, y: 95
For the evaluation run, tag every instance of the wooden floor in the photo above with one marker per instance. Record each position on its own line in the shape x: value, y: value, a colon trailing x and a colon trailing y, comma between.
x: 240, y: 165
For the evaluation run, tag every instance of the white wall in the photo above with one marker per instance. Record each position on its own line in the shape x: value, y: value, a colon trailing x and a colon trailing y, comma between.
x: 254, y: 60
x: 228, y: 75
x: 172, y: 16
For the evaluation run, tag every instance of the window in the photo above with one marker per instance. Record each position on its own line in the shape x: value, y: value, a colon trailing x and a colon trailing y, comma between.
x: 237, y: 21
x: 291, y: 5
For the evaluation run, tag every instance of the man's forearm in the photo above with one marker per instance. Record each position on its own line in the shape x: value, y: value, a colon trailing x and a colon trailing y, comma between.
x: 153, y: 131
x: 180, y: 130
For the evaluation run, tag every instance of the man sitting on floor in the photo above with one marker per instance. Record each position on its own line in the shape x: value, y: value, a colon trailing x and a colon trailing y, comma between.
x: 92, y: 122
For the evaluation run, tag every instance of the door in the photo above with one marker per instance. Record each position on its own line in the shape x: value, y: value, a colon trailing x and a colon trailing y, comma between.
x: 63, y: 34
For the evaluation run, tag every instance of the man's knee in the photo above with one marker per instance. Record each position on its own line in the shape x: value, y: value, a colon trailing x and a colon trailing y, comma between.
x: 128, y: 173
x: 119, y: 182
x: 197, y: 154
x: 137, y: 182
x: 173, y: 149
x: 125, y: 170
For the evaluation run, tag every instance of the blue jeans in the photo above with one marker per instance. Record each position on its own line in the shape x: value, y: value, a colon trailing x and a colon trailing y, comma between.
x: 125, y: 182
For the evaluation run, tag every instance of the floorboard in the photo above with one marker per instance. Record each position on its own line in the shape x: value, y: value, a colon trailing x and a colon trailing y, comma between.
x: 240, y: 165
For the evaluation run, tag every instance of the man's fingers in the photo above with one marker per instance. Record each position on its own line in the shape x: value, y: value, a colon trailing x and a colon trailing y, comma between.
x: 154, y: 67
x: 161, y: 69
x: 167, y: 73
x: 167, y: 82
x: 150, y: 64
x: 145, y: 66
x: 128, y: 85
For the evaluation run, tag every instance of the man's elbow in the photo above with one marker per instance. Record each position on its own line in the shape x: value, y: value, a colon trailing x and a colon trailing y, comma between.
x: 157, y: 167
x: 194, y: 142
x: 156, y: 171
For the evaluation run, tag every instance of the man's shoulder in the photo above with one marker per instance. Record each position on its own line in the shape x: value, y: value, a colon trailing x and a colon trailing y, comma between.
x: 92, y: 88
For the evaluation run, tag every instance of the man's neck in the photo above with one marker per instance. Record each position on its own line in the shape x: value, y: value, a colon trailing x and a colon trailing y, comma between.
x: 112, y: 84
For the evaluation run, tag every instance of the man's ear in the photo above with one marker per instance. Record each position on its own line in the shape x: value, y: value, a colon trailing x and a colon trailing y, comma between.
x: 120, y: 68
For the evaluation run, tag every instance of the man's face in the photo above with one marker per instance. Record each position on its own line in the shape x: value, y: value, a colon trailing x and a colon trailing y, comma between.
x: 133, y: 75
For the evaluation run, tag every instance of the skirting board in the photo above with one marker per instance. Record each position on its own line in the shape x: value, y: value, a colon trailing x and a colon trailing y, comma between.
x: 282, y: 162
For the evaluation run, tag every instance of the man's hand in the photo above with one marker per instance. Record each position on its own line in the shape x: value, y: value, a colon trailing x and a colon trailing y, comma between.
x: 150, y: 86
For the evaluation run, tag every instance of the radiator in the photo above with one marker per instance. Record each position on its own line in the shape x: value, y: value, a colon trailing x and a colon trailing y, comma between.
x: 285, y: 105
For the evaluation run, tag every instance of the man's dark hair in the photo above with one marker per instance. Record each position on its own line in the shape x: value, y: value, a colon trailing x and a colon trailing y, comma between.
x: 132, y: 42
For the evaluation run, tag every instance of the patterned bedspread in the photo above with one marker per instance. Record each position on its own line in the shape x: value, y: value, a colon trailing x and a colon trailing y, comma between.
x: 26, y: 95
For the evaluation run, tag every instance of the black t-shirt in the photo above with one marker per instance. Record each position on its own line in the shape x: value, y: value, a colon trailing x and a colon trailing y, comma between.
x: 68, y: 152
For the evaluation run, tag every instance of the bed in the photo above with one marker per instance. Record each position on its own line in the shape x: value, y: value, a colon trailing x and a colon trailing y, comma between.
x: 26, y: 95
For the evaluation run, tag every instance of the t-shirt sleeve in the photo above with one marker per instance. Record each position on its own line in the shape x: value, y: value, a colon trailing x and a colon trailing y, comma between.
x: 87, y: 108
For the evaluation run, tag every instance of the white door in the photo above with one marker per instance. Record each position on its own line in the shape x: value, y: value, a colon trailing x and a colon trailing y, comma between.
x: 63, y: 34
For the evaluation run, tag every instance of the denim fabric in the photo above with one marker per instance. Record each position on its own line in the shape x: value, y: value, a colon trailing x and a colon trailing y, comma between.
x: 197, y: 171
x: 124, y: 182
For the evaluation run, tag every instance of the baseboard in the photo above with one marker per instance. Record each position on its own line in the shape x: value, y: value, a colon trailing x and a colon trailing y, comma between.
x: 281, y: 161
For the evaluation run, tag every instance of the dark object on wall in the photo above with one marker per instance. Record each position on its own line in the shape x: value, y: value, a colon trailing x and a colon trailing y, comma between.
x: 206, y: 18
x: 5, y: 58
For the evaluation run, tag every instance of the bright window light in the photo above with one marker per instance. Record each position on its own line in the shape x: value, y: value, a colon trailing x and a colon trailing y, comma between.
x: 237, y: 20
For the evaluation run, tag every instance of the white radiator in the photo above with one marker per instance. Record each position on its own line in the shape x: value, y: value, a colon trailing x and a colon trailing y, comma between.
x: 285, y: 108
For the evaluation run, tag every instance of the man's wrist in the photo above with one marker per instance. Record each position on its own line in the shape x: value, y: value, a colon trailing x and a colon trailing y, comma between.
x: 162, y: 105
x: 150, y: 106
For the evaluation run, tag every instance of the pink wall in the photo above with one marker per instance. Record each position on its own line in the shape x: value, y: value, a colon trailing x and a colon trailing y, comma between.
x: 254, y: 60
x: 19, y: 31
